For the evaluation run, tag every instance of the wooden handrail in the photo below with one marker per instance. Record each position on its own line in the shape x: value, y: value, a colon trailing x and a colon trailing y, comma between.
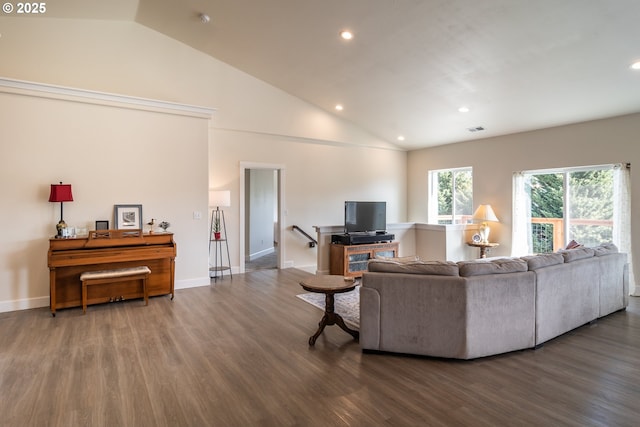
x: 312, y: 242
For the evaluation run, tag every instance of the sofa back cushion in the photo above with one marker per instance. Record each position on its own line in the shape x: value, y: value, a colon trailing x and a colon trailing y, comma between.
x: 497, y: 266
x: 571, y: 255
x: 436, y: 268
x: 606, y: 249
x: 543, y: 260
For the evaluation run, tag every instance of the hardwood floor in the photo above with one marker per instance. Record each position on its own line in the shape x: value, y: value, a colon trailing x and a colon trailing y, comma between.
x: 261, y: 263
x: 236, y: 354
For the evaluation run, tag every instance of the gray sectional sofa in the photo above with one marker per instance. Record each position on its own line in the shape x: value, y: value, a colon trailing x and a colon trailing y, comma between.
x: 480, y: 308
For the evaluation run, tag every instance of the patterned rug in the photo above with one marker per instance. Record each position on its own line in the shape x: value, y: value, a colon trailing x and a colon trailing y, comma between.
x: 346, y: 305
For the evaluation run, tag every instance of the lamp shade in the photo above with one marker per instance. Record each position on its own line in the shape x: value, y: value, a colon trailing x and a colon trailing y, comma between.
x: 220, y: 198
x: 61, y: 193
x: 485, y: 213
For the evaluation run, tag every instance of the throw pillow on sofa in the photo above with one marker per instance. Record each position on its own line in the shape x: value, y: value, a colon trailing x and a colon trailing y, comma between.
x: 573, y: 244
x: 399, y: 259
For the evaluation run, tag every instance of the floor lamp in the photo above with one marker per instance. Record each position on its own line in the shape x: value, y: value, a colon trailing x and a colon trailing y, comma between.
x: 218, y: 232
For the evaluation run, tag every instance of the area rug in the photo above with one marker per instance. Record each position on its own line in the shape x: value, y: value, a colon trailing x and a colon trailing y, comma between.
x: 347, y: 305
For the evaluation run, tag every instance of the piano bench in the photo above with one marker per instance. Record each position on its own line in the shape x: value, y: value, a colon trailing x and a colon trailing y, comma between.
x: 102, y: 277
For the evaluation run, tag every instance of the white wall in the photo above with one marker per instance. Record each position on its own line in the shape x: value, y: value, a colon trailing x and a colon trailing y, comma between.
x: 110, y: 155
x: 327, y: 159
x: 319, y: 177
x: 495, y: 159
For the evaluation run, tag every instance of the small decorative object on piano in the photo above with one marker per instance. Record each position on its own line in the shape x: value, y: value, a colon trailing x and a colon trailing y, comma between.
x: 164, y: 225
x: 151, y: 224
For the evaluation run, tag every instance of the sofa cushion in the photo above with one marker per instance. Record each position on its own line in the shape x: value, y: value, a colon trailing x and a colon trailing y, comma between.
x: 571, y: 255
x: 543, y: 260
x: 606, y: 249
x: 497, y: 266
x: 437, y: 268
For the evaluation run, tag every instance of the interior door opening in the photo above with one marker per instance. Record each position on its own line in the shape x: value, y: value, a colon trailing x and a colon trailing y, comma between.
x: 261, y: 219
x: 261, y: 207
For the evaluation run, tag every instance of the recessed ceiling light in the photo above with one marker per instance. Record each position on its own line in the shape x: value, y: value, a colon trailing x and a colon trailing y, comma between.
x: 339, y: 107
x: 463, y: 109
x: 400, y: 138
x: 346, y: 34
x: 635, y: 65
x: 204, y: 18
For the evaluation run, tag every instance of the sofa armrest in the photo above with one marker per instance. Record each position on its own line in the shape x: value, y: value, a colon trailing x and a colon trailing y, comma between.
x: 413, y: 313
x: 369, y: 318
x: 614, y: 282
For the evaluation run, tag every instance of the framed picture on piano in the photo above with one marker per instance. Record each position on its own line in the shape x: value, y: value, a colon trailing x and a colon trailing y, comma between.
x: 127, y: 217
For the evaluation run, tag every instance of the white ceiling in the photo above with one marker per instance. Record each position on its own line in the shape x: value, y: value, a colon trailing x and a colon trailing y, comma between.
x: 517, y: 64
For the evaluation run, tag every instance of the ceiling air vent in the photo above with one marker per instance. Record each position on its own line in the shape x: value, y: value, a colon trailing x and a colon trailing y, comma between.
x: 475, y: 129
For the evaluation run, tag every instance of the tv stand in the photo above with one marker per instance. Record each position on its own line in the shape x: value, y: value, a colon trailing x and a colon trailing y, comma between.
x: 352, y: 260
x: 361, y: 238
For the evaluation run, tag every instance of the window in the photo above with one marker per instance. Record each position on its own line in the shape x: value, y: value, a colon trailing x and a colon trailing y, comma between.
x: 554, y: 207
x: 450, y: 196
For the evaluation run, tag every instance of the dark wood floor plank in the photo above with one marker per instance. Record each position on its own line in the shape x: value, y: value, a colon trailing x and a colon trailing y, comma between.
x: 236, y: 354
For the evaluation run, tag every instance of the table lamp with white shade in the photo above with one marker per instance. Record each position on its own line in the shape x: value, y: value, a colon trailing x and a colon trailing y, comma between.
x: 484, y: 214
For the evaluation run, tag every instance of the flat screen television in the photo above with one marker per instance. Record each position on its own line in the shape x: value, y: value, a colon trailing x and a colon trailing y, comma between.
x: 365, y: 217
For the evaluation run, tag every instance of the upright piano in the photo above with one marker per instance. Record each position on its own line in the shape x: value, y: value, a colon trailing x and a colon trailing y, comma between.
x: 68, y: 258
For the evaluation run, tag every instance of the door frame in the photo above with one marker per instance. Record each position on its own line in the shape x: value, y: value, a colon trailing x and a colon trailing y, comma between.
x: 280, y: 227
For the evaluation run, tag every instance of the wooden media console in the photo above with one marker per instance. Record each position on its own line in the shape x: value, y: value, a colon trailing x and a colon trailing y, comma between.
x: 351, y: 260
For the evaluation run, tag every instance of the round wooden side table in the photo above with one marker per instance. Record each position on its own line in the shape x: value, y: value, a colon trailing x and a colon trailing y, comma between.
x: 329, y: 285
x: 484, y: 247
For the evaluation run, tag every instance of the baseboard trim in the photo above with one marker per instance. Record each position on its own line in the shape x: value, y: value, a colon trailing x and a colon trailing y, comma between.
x: 39, y: 302
x: 24, y: 304
x: 192, y: 283
x: 259, y: 254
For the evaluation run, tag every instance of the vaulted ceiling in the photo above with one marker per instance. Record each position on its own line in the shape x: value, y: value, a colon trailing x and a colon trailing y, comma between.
x: 516, y: 65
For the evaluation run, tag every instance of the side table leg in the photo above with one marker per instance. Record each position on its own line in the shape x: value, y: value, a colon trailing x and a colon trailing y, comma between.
x: 332, y: 318
x: 327, y: 319
x: 340, y: 322
x: 323, y: 322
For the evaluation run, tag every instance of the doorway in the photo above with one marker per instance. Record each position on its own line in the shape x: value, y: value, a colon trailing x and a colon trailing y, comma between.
x: 261, y: 212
